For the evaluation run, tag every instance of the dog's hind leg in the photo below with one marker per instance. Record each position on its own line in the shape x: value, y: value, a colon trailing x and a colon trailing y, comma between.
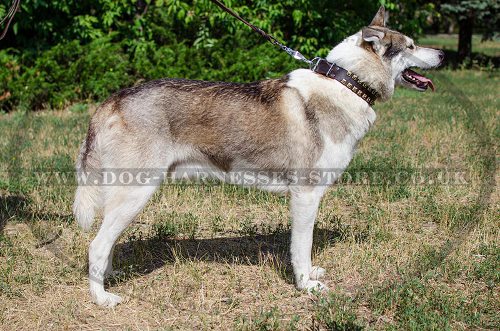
x: 304, y: 205
x: 122, y: 204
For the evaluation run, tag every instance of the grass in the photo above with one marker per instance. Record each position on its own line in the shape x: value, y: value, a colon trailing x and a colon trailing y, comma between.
x: 398, y: 256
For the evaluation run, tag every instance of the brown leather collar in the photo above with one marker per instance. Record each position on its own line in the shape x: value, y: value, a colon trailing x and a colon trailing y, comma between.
x: 347, y: 78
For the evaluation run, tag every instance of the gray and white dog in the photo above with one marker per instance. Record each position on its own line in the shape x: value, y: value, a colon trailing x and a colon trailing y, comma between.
x: 300, y: 121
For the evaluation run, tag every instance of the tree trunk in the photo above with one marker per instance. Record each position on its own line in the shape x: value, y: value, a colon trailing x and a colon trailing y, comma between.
x: 451, y: 27
x: 465, y: 26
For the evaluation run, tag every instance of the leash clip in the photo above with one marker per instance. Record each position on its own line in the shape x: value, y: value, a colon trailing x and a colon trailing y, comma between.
x: 295, y: 54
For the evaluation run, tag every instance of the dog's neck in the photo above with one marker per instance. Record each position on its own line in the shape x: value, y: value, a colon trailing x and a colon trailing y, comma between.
x: 350, y: 55
x: 347, y: 78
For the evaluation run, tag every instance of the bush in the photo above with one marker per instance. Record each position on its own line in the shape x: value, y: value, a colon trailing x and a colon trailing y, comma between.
x: 71, y: 72
x: 83, y: 51
x: 63, y: 74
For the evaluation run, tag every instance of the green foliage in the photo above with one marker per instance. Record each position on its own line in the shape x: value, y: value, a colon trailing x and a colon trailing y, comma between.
x: 42, y: 24
x: 61, y: 52
x: 70, y: 72
x: 482, y: 9
x: 65, y: 73
x: 484, y: 12
x: 411, y: 16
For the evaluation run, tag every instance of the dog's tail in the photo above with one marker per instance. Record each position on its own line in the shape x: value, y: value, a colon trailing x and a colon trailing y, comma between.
x: 88, y: 193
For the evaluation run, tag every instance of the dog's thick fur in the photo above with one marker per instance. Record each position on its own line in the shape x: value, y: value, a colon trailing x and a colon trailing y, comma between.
x: 301, y: 121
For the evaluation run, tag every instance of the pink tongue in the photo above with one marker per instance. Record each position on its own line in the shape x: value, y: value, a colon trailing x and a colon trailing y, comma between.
x: 422, y: 78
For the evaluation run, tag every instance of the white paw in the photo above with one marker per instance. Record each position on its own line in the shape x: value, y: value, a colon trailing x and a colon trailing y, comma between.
x: 106, y: 299
x: 315, y: 286
x: 317, y: 273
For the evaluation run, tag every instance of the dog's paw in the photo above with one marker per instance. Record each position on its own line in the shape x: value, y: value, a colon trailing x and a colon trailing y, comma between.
x: 313, y: 286
x: 317, y: 273
x: 107, y: 299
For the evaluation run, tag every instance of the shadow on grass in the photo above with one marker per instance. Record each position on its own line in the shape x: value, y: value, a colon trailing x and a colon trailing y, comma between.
x: 143, y: 256
x: 11, y: 206
x: 477, y: 59
x: 17, y: 208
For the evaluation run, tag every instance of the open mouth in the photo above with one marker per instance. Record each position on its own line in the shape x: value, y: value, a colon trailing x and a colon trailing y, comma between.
x: 419, y: 81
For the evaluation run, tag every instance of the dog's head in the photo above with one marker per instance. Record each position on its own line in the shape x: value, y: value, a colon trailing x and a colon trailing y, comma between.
x: 384, y: 58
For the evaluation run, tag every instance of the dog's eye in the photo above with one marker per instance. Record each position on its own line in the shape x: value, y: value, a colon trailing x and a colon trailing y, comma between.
x: 412, y: 47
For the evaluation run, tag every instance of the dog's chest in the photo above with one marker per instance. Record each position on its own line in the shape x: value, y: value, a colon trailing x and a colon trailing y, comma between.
x: 335, y: 156
x: 337, y: 153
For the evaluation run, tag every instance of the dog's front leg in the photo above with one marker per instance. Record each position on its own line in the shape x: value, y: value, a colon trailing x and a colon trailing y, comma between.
x: 304, y: 205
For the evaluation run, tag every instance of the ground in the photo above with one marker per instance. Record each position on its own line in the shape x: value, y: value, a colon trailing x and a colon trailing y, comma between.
x: 404, y: 247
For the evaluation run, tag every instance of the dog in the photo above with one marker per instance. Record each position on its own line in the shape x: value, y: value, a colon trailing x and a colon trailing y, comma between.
x: 303, y: 120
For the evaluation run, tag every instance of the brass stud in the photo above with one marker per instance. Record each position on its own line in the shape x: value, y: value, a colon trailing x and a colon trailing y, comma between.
x: 354, y: 77
x: 368, y: 99
x: 364, y: 96
x: 344, y: 81
x: 349, y: 85
x: 364, y: 85
x: 354, y: 88
x: 349, y: 73
x: 360, y: 92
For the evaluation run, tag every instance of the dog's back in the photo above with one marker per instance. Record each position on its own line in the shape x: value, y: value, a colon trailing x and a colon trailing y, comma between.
x: 173, y: 121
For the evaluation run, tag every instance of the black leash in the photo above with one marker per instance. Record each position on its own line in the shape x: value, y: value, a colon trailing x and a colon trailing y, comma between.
x: 10, y: 16
x: 293, y: 53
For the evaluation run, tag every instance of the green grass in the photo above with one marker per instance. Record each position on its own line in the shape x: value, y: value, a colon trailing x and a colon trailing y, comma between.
x: 398, y: 256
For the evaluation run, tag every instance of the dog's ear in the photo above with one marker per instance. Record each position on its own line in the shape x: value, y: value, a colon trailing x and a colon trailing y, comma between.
x: 379, y: 19
x: 372, y: 36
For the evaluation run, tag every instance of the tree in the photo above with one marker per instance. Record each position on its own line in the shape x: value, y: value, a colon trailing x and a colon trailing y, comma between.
x: 468, y: 14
